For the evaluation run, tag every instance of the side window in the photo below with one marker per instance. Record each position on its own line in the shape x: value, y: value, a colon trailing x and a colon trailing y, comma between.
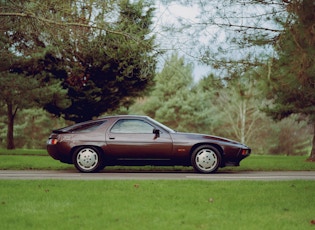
x: 132, y: 126
x: 87, y: 127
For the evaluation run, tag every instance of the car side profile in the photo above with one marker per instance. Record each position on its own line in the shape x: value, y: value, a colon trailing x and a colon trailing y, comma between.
x: 138, y: 141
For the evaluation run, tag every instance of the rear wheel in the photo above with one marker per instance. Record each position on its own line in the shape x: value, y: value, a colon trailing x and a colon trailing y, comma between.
x: 206, y: 159
x: 88, y: 159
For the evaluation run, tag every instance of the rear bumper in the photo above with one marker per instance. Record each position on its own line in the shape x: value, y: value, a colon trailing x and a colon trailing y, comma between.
x: 58, y: 155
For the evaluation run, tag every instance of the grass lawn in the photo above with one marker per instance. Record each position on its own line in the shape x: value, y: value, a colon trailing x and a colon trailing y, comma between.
x: 185, y: 204
x: 55, y: 204
x: 39, y: 159
x: 27, y: 152
x: 275, y: 163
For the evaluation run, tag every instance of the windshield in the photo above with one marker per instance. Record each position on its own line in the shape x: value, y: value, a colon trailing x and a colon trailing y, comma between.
x: 161, y: 125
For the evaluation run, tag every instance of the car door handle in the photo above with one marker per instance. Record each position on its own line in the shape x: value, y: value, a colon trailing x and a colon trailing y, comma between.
x: 112, y: 138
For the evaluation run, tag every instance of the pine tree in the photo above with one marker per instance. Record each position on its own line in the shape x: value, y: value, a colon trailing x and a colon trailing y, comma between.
x: 111, y: 69
x: 167, y: 100
x: 292, y: 79
x: 175, y: 100
x: 101, y: 51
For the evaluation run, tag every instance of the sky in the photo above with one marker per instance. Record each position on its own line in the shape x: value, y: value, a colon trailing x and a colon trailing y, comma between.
x: 243, y: 17
x: 167, y: 14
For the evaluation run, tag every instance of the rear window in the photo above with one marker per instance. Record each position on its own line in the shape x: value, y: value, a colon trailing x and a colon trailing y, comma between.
x: 81, y: 127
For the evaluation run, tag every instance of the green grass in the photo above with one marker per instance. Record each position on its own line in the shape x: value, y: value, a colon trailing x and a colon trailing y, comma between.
x: 28, y: 152
x: 185, y: 204
x: 31, y: 162
x: 39, y: 159
x: 275, y: 163
x: 54, y: 204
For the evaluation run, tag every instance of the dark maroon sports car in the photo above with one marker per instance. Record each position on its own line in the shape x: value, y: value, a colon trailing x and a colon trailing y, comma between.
x: 137, y: 141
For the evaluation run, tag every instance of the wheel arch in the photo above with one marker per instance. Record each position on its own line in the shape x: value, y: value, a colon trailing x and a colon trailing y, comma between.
x: 218, y: 147
x: 75, y: 148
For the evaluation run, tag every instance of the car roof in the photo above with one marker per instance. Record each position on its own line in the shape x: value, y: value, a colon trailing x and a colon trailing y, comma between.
x: 122, y: 116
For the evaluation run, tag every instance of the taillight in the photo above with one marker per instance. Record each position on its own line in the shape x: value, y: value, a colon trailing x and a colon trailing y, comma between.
x: 52, y: 141
x: 244, y: 152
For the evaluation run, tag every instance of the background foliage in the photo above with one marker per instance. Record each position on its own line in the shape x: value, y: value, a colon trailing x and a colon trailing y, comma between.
x: 75, y: 59
x: 80, y: 63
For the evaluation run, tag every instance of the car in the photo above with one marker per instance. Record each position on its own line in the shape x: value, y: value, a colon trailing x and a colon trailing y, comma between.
x: 131, y: 140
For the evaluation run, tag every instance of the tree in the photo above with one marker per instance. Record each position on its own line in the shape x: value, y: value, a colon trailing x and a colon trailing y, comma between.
x: 231, y: 34
x: 238, y: 102
x: 19, y: 92
x: 290, y: 137
x: 168, y: 99
x: 172, y: 101
x: 278, y: 35
x: 233, y: 105
x: 105, y: 50
x: 206, y: 102
x: 291, y: 84
x: 101, y: 51
x: 25, y: 87
x: 176, y: 101
x: 28, y: 128
x: 114, y: 71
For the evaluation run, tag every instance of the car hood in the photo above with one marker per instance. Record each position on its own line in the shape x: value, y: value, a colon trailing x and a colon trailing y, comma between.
x: 207, y: 137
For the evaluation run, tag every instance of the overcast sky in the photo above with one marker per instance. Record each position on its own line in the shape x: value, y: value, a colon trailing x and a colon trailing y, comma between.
x: 240, y: 15
x: 166, y: 14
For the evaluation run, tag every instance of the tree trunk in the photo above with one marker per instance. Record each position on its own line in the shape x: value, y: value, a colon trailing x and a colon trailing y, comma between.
x: 243, y: 117
x: 10, y: 137
x: 312, y: 156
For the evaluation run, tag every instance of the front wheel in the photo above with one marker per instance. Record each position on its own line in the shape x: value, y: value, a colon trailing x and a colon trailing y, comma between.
x: 87, y: 159
x: 206, y: 159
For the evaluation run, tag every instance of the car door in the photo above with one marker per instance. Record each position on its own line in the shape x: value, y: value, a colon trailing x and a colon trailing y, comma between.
x: 134, y: 138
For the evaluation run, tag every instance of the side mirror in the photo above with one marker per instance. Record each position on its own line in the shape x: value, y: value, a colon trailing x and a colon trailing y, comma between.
x: 157, y: 133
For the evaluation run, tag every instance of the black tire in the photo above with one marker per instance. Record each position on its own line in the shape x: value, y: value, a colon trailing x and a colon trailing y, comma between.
x: 88, y: 160
x: 206, y: 159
